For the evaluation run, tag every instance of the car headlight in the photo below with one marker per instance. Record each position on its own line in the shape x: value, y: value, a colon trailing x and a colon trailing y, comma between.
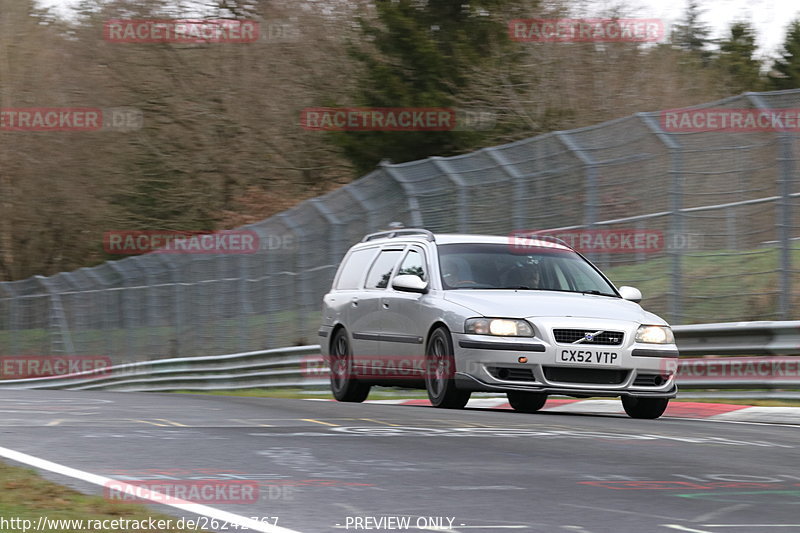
x: 655, y: 335
x: 503, y: 327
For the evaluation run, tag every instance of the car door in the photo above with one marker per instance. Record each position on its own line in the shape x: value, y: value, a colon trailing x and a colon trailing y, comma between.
x: 366, y: 319
x: 402, y: 338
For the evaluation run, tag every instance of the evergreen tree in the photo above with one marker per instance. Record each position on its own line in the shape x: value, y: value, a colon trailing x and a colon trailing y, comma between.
x: 736, y: 58
x: 421, y: 54
x: 691, y: 34
x: 786, y: 69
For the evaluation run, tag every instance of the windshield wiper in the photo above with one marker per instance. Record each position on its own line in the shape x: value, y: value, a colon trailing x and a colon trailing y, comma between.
x: 598, y: 293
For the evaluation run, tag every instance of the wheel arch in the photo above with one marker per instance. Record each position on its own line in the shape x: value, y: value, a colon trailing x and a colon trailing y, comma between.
x: 436, y: 325
x: 334, y: 331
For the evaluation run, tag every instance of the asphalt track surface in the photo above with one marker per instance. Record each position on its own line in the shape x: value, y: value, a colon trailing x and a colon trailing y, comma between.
x: 322, y: 465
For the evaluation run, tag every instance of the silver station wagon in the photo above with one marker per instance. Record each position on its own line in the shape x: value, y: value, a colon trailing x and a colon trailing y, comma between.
x: 460, y: 313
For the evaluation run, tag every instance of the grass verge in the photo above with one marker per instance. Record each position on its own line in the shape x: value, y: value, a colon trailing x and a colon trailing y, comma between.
x: 24, y: 495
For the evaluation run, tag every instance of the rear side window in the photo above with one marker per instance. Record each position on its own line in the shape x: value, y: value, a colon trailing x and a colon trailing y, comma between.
x: 381, y: 271
x: 352, y: 272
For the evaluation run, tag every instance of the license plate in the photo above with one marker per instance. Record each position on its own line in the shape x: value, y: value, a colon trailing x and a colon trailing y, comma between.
x: 592, y: 357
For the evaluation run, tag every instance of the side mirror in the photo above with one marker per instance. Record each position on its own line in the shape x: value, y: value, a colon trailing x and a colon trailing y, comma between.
x: 409, y: 283
x: 630, y: 293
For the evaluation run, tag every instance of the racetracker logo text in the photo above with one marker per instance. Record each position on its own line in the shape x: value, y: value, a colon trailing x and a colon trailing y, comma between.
x: 48, y: 119
x: 45, y: 366
x: 384, y: 367
x: 564, y: 30
x: 378, y: 119
x: 613, y: 241
x: 730, y: 120
x: 176, y: 492
x: 180, y: 242
x: 181, y: 31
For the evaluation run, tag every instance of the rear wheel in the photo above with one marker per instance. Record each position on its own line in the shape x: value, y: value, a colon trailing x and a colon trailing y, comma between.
x: 439, y: 370
x: 649, y: 408
x: 526, y: 402
x: 345, y: 387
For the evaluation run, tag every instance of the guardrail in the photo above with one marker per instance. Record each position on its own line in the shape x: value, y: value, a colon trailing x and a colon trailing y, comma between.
x: 768, y: 366
x: 282, y: 367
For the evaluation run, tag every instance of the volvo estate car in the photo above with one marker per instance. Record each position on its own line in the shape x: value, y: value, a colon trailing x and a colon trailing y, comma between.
x: 455, y: 314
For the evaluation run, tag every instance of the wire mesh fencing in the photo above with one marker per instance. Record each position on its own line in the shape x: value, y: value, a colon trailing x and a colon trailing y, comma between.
x: 703, y: 219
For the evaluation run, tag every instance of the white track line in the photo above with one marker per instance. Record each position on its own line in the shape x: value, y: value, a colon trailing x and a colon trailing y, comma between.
x: 155, y: 497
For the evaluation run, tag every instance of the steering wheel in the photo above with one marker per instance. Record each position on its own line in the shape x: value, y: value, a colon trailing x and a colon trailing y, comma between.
x: 464, y: 282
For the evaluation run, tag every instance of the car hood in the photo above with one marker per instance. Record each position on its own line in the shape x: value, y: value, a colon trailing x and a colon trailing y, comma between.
x: 527, y: 303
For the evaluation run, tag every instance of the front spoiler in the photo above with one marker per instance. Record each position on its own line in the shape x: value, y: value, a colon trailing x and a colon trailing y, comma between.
x: 471, y: 383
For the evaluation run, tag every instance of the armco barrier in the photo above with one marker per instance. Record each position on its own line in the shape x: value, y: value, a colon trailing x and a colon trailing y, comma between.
x: 767, y: 366
x: 282, y: 367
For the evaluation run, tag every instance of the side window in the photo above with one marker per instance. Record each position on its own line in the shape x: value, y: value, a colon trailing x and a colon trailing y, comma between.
x: 352, y: 272
x: 381, y: 271
x: 413, y: 264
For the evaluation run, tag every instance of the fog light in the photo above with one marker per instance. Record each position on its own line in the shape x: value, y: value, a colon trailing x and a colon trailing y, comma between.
x: 523, y: 359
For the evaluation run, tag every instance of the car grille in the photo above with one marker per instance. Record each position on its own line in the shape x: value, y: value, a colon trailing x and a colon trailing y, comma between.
x: 510, y: 373
x: 585, y: 375
x: 649, y: 380
x: 569, y: 336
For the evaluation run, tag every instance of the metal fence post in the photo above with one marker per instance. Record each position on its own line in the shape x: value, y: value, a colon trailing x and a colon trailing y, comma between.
x: 413, y: 204
x: 784, y: 215
x: 590, y: 186
x: 303, y: 285
x: 172, y: 270
x: 354, y: 192
x: 462, y: 192
x: 125, y: 309
x: 337, y: 249
x: 676, y: 214
x: 517, y: 204
x: 58, y: 318
x: 13, y: 345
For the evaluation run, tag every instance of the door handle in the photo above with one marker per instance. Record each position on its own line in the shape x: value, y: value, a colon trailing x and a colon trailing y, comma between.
x: 354, y: 302
x: 385, y: 305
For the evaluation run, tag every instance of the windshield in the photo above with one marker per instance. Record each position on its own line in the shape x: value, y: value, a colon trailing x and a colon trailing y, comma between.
x: 499, y: 266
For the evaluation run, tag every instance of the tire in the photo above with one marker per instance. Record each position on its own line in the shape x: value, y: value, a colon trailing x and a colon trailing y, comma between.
x: 440, y: 366
x: 647, y: 408
x: 526, y: 402
x: 344, y: 386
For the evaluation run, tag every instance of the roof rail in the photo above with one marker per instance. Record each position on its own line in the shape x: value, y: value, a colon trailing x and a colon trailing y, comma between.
x: 391, y: 234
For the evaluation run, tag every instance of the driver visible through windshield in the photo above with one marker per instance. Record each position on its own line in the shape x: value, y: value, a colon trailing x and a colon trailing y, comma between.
x: 499, y: 266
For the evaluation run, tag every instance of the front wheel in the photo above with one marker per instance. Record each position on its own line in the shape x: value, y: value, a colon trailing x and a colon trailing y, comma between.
x: 648, y: 408
x: 440, y: 365
x: 344, y: 385
x: 526, y: 402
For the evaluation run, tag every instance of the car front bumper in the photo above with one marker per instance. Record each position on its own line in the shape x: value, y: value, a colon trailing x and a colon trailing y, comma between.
x: 501, y: 364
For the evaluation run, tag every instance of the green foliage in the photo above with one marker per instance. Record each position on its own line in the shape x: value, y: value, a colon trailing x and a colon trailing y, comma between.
x: 691, y: 34
x: 736, y: 58
x: 421, y: 54
x: 786, y: 69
